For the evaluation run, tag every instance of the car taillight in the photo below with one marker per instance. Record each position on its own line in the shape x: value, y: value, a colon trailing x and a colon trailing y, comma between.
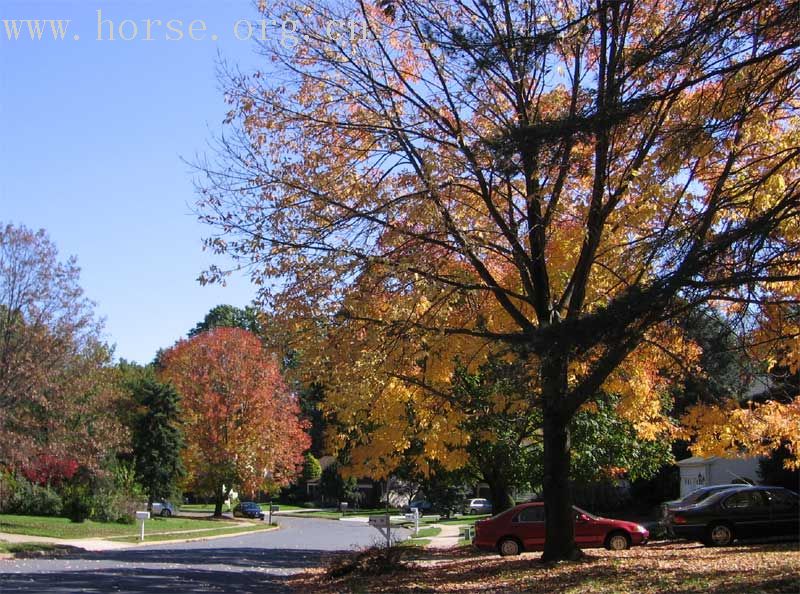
x: 678, y: 520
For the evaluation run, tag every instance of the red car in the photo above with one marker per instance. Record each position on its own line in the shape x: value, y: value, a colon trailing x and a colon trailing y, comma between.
x: 522, y: 529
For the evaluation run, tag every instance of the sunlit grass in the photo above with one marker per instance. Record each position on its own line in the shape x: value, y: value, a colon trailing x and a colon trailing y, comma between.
x: 56, y: 527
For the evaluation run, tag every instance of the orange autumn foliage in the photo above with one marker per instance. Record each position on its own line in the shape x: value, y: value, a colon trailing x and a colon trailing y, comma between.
x: 242, y: 423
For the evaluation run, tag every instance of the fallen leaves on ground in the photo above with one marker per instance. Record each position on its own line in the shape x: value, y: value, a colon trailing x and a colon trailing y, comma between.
x: 685, y: 568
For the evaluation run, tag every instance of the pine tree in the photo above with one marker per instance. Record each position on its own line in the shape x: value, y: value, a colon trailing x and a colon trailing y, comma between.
x: 157, y: 439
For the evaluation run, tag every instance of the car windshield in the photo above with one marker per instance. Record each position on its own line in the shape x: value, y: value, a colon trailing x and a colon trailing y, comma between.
x: 583, y: 511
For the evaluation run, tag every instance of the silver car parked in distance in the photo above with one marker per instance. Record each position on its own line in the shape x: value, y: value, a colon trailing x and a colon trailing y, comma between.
x: 477, y: 506
x: 163, y: 508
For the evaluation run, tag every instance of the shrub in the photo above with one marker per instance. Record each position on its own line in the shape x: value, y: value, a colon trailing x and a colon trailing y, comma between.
x: 44, y: 502
x: 20, y: 496
x: 371, y: 561
x: 115, y: 494
x: 77, y: 503
x: 128, y: 519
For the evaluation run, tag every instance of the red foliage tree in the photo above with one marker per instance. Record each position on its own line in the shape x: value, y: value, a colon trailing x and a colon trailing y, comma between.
x: 242, y: 422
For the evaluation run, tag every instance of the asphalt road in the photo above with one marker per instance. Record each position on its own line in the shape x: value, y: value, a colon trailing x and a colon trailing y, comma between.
x: 258, y: 562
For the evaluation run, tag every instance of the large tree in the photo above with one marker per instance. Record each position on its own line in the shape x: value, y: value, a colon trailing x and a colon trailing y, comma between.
x: 562, y: 177
x: 57, y: 391
x: 230, y: 316
x: 242, y: 427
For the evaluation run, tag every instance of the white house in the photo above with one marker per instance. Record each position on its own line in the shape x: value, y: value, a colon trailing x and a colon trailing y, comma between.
x: 699, y: 472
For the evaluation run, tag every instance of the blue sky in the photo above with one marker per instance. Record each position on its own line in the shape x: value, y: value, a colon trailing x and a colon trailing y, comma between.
x: 92, y: 141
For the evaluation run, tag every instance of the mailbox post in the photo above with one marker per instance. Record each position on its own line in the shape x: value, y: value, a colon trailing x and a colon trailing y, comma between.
x: 142, y: 516
x: 414, y: 517
x: 384, y: 526
x: 272, y: 508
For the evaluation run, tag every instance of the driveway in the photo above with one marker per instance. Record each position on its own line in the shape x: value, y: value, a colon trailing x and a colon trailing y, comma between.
x: 259, y: 562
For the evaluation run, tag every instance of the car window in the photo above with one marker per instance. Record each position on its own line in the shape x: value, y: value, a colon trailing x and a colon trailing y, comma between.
x: 531, y: 514
x: 745, y: 500
x: 705, y: 495
x: 579, y: 511
x: 696, y: 496
x: 702, y: 494
x: 783, y: 500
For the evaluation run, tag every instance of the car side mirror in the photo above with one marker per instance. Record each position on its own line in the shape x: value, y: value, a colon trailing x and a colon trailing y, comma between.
x: 582, y: 518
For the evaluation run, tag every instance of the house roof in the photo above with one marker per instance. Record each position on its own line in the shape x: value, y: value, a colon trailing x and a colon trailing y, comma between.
x: 696, y: 460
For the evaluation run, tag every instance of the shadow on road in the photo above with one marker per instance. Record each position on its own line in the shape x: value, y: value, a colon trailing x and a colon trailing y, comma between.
x: 134, y: 571
x: 244, y: 557
x: 151, y: 581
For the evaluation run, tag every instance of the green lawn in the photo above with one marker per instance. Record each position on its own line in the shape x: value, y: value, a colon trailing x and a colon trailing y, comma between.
x: 318, y: 514
x: 463, y: 520
x: 283, y: 506
x: 209, y: 507
x: 26, y: 547
x: 423, y: 537
x: 62, y: 528
x: 202, y: 507
x: 201, y: 534
x: 335, y: 515
x: 416, y: 542
x: 428, y: 532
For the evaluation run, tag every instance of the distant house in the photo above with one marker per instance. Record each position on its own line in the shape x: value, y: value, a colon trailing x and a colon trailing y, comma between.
x: 699, y: 472
x: 369, y: 489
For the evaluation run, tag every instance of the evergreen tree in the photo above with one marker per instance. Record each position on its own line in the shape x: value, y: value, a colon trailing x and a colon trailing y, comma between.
x: 157, y: 439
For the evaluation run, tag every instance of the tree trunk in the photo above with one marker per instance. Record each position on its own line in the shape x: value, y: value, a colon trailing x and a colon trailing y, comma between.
x: 559, y: 542
x: 219, y: 499
x: 501, y: 495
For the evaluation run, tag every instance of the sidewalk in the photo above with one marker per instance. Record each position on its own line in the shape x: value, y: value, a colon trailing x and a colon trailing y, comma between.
x: 448, y: 538
x: 87, y: 544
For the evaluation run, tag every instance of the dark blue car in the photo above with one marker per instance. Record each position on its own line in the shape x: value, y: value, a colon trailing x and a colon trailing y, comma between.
x: 738, y: 512
x: 248, y: 509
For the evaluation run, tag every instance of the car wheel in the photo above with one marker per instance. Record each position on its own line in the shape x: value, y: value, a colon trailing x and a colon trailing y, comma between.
x: 719, y: 535
x: 165, y: 513
x: 473, y: 512
x: 618, y: 541
x: 509, y: 546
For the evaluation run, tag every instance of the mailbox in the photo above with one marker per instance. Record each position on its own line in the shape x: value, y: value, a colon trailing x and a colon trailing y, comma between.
x: 274, y: 508
x: 379, y: 521
x: 143, y: 515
